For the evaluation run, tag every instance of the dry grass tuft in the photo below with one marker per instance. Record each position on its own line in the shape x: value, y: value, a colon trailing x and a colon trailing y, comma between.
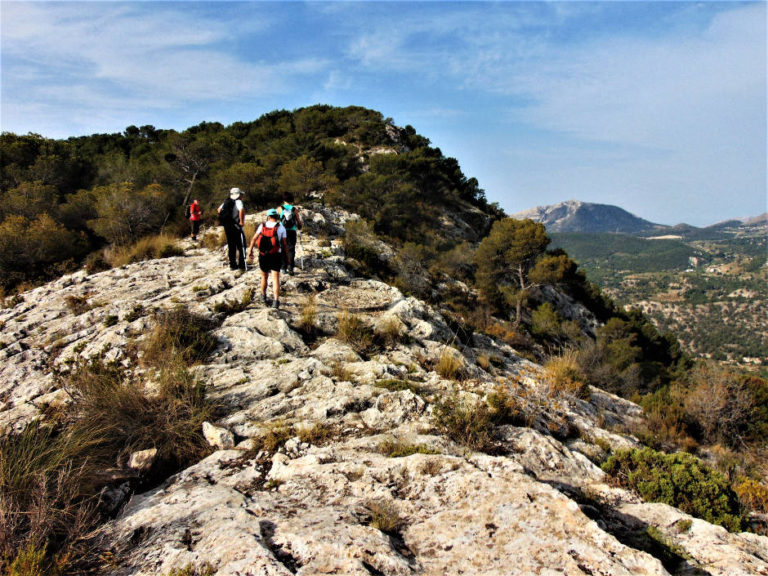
x: 179, y: 334
x: 147, y: 248
x: 451, y: 365
x: 565, y: 376
x: 353, y: 331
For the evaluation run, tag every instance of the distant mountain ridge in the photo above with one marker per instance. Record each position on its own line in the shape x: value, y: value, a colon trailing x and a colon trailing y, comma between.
x: 590, y: 218
x: 576, y: 216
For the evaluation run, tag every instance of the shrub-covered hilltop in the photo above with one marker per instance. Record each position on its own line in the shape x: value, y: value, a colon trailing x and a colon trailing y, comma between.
x: 434, y: 365
x: 62, y: 199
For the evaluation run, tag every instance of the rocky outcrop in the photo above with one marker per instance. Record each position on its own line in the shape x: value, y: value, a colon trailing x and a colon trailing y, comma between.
x: 365, y: 480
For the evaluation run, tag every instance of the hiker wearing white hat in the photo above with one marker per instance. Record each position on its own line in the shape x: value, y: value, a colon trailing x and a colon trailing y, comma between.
x: 232, y: 217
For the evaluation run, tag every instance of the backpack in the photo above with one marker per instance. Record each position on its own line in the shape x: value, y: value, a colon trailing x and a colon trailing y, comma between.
x: 226, y: 214
x: 288, y: 217
x: 268, y: 241
x: 187, y: 211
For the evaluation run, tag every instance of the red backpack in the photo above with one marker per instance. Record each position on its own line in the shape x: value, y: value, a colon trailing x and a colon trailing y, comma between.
x: 268, y: 241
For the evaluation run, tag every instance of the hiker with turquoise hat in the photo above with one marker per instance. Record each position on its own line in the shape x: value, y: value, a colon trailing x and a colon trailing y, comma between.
x: 291, y: 221
x: 270, y: 238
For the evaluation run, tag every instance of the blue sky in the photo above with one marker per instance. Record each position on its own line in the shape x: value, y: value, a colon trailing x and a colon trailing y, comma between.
x: 657, y: 107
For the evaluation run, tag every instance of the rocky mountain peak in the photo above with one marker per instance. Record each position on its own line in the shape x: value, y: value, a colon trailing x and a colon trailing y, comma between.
x: 576, y: 216
x: 367, y: 477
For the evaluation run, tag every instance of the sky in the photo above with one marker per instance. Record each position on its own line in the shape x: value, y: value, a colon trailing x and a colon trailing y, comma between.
x: 656, y: 107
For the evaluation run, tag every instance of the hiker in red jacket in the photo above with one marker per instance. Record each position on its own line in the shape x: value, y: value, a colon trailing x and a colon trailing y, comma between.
x: 195, y: 214
x: 270, y: 237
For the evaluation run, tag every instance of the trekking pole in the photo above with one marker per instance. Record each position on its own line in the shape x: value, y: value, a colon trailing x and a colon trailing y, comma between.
x: 242, y: 240
x: 301, y: 245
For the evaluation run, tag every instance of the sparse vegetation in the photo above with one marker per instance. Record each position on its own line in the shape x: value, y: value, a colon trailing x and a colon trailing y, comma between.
x: 147, y: 248
x: 465, y: 420
x: 385, y: 516
x: 396, y: 384
x: 397, y: 448
x: 229, y: 308
x: 192, y: 570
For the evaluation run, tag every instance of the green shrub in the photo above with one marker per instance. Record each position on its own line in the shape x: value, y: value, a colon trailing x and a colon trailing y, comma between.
x: 31, y: 561
x: 680, y: 480
x: 362, y: 244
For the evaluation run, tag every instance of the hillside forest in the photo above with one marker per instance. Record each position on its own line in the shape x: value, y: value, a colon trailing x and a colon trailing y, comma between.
x: 104, y: 200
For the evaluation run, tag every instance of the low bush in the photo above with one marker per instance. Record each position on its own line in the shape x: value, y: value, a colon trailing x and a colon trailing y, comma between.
x: 465, y: 421
x: 361, y: 243
x: 507, y: 408
x: 308, y: 316
x: 179, y: 333
x: 78, y: 304
x: 391, y: 332
x: 396, y: 384
x: 192, y: 570
x: 51, y: 474
x: 752, y: 494
x: 115, y: 415
x: 680, y: 480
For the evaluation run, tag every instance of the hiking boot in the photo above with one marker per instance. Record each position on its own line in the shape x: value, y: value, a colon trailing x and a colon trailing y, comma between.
x: 290, y: 270
x: 276, y: 304
x: 265, y: 299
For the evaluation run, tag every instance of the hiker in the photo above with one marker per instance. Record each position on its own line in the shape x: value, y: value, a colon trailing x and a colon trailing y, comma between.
x: 232, y: 217
x: 270, y: 237
x: 195, y: 213
x: 291, y: 221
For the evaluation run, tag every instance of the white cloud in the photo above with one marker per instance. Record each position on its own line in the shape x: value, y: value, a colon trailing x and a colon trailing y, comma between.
x: 130, y: 59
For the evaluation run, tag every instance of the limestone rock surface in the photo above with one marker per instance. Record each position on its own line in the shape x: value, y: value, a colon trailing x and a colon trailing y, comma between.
x: 364, y: 480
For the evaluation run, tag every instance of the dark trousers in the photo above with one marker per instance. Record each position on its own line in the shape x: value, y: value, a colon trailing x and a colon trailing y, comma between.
x: 235, y: 246
x: 195, y: 227
x: 290, y: 257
